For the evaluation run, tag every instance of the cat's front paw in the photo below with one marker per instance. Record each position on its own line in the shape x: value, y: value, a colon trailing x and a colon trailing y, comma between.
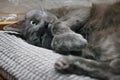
x: 68, y: 41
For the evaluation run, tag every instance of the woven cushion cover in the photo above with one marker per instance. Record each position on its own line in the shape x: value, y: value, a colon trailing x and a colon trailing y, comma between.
x: 22, y: 61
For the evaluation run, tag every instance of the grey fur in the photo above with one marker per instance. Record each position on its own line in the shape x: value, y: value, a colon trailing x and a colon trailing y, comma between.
x: 101, y: 57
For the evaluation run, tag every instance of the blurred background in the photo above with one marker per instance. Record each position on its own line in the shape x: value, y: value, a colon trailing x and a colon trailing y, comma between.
x: 15, y: 9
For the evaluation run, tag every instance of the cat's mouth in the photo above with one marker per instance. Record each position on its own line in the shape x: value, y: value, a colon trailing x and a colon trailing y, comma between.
x: 45, y: 35
x: 46, y: 40
x: 41, y: 40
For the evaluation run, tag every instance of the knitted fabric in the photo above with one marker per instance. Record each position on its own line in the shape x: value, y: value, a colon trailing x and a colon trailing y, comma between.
x: 22, y: 61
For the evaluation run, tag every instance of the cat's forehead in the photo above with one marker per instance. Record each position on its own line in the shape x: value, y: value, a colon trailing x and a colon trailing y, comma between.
x: 36, y: 14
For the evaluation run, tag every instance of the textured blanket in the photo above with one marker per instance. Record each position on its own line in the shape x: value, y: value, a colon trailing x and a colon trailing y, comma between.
x: 22, y: 61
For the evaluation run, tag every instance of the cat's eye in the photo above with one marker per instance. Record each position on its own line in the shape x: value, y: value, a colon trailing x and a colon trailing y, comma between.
x: 34, y: 22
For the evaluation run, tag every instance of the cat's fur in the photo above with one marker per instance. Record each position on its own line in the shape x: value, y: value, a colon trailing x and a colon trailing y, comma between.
x: 101, y: 57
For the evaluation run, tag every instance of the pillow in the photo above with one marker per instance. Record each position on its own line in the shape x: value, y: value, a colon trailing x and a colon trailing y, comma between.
x: 22, y: 61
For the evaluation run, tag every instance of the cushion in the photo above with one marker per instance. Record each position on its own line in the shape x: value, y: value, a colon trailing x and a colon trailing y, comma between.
x: 22, y: 61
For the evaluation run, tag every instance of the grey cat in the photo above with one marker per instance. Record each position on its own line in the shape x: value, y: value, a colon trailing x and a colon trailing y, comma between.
x: 92, y: 32
x: 100, y: 26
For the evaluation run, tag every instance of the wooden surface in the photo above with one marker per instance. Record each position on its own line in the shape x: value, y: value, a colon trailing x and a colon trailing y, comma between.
x: 2, y: 24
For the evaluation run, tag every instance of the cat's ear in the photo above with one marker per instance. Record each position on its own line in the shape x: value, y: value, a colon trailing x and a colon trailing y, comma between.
x: 17, y: 27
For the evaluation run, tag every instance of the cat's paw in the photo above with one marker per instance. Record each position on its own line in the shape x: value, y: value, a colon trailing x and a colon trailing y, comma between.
x: 68, y: 41
x: 63, y: 65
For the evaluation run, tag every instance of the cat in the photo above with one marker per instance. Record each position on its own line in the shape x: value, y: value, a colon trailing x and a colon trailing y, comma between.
x: 91, y: 32
x: 100, y: 58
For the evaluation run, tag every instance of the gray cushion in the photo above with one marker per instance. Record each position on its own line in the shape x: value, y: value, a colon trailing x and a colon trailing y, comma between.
x: 22, y: 61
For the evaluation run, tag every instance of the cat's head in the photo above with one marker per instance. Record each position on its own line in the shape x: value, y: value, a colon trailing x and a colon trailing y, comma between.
x: 35, y: 26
